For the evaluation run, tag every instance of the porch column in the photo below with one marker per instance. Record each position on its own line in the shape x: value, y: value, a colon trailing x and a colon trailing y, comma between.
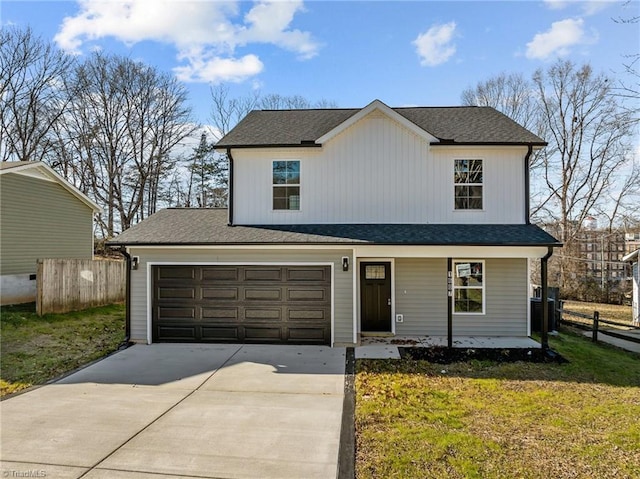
x: 449, y: 303
x: 545, y: 309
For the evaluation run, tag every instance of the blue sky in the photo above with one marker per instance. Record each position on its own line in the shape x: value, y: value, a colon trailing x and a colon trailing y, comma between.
x: 403, y: 53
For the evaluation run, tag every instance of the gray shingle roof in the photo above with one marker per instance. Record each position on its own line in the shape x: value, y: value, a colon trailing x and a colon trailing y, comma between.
x: 460, y: 125
x: 184, y: 226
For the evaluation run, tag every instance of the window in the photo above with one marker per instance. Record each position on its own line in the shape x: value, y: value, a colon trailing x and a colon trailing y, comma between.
x: 468, y: 287
x: 467, y: 179
x: 374, y: 271
x: 286, y: 185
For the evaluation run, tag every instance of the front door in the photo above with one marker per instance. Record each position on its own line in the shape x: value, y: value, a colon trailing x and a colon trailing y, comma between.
x: 375, y: 297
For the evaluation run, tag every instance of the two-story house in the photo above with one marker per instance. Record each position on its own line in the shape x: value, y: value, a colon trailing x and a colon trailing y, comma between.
x: 348, y: 222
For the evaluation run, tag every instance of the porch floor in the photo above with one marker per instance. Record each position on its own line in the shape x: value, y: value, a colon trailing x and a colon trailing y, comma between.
x: 372, y: 347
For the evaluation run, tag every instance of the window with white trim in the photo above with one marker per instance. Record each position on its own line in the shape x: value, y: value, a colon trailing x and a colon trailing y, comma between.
x: 468, y: 287
x: 467, y: 180
x: 286, y: 185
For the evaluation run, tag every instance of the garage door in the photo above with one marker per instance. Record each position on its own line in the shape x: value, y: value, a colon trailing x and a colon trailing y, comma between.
x: 247, y: 304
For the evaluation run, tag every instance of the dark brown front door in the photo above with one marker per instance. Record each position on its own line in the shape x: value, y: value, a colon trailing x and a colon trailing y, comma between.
x: 375, y: 297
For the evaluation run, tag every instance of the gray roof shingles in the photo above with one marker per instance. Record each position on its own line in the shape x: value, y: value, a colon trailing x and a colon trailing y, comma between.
x: 185, y: 226
x: 457, y: 125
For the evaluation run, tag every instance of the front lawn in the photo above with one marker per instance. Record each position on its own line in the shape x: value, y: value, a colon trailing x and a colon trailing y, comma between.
x: 611, y: 312
x: 36, y: 349
x: 489, y: 420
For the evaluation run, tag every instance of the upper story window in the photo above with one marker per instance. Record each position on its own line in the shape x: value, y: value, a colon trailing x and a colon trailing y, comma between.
x: 286, y: 185
x: 467, y: 179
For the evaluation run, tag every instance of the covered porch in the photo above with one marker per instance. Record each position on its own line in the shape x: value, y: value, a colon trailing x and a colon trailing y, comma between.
x: 376, y: 347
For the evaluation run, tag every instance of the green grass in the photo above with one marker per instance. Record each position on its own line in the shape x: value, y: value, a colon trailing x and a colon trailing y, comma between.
x: 36, y: 349
x: 489, y: 420
x: 612, y: 312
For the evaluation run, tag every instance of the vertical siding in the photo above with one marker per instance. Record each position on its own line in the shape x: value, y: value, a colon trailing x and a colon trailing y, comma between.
x: 421, y: 296
x: 40, y: 219
x: 342, y: 281
x: 378, y: 171
x: 503, y: 185
x: 506, y: 302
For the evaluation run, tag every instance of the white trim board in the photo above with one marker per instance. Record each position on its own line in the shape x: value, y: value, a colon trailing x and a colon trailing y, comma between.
x: 367, y: 250
x: 46, y: 173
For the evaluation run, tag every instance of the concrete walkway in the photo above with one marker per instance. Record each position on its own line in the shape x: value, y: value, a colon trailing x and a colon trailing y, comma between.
x: 621, y: 343
x: 176, y: 410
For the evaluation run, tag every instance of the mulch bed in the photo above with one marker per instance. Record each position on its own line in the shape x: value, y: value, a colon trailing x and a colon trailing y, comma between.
x: 442, y: 355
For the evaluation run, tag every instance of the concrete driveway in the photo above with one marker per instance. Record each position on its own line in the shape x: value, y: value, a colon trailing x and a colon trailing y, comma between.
x: 177, y: 410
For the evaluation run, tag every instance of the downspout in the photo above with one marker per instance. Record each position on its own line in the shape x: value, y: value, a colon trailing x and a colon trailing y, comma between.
x: 230, y: 186
x: 127, y: 313
x: 527, y: 192
x: 449, y: 303
x: 545, y: 306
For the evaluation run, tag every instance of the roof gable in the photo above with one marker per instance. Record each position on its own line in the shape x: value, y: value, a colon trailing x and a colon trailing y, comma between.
x: 378, y: 106
x: 42, y: 171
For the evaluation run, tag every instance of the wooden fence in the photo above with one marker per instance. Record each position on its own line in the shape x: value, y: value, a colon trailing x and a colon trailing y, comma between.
x: 72, y: 284
x: 596, y: 321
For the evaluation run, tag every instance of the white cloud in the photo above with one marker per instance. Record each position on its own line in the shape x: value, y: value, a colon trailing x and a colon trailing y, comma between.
x: 558, y: 40
x: 435, y: 45
x: 204, y: 32
x: 588, y: 7
x: 556, y: 4
x: 216, y: 69
x: 269, y: 22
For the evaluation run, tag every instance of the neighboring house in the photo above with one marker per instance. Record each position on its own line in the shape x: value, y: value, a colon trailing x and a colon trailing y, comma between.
x: 348, y: 222
x: 634, y: 259
x: 41, y: 216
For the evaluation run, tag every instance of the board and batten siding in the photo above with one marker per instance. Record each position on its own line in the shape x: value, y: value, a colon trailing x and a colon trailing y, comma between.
x: 342, y: 280
x: 40, y: 219
x: 506, y: 298
x: 378, y: 171
x: 421, y: 296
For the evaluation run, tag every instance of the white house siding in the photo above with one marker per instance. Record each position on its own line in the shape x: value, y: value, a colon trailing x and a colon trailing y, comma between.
x: 506, y: 300
x: 342, y: 281
x: 421, y: 296
x: 377, y: 171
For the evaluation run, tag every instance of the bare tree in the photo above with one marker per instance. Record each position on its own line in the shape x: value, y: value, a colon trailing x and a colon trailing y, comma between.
x: 124, y: 120
x: 32, y: 99
x: 511, y: 94
x: 589, y: 153
x: 516, y: 97
x: 587, y: 168
x: 227, y: 112
x: 629, y: 90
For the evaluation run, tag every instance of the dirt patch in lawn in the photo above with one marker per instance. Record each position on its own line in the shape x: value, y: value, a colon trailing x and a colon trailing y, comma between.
x: 440, y: 355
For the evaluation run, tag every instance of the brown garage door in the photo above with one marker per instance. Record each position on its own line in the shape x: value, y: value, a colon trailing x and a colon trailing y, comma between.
x: 252, y: 304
